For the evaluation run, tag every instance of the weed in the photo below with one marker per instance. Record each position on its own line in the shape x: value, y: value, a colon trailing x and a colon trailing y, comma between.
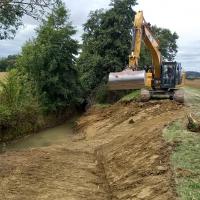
x: 19, y: 109
x: 101, y: 105
x: 131, y: 96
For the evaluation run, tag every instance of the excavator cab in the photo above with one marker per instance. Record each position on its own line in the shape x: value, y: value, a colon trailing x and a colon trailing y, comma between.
x: 171, y: 73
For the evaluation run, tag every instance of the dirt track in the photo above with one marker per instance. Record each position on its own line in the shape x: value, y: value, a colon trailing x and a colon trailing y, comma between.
x: 118, y: 153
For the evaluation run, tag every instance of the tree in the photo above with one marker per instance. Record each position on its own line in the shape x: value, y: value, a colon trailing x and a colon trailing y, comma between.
x: 168, y: 46
x: 49, y: 61
x: 7, y: 63
x: 106, y: 43
x: 167, y: 39
x: 12, y: 11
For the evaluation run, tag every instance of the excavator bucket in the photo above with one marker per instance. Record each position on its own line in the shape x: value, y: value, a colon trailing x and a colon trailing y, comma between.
x: 126, y: 80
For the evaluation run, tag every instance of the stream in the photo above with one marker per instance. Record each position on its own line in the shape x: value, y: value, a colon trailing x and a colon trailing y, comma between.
x: 51, y: 136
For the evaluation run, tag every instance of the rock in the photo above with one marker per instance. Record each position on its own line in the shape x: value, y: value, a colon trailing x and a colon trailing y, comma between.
x: 131, y: 121
x: 193, y: 123
x: 180, y: 172
x: 161, y: 168
x: 145, y: 193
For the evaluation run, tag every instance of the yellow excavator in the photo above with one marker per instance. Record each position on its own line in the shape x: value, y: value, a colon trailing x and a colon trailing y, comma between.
x: 160, y: 79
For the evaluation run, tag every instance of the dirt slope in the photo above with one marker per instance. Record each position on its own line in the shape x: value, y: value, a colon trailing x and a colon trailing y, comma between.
x: 117, y: 153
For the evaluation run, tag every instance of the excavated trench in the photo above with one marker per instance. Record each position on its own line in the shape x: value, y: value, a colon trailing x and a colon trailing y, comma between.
x: 118, y: 152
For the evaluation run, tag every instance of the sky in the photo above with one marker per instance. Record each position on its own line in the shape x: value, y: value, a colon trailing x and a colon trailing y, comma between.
x: 179, y: 16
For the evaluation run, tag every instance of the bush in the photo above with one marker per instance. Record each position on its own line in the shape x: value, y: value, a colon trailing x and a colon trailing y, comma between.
x: 49, y: 60
x: 104, y: 96
x: 101, y: 94
x: 19, y: 109
x: 133, y: 95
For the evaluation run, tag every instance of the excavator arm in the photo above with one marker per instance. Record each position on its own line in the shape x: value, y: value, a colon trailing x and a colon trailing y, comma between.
x: 137, y: 41
x: 142, y: 32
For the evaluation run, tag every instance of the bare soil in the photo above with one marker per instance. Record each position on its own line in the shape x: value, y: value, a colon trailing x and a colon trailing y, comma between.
x: 117, y: 152
x: 193, y: 83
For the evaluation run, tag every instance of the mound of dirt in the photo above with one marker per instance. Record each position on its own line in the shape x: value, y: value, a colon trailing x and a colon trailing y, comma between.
x: 133, y: 155
x: 117, y: 153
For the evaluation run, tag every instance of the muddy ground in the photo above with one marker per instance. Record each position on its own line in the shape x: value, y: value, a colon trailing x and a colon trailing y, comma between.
x: 117, y: 152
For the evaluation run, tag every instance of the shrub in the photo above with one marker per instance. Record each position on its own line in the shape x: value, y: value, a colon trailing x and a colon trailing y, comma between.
x: 19, y: 109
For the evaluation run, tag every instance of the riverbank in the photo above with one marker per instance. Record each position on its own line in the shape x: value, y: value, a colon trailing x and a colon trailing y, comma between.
x: 118, y: 152
x: 41, y: 122
x: 50, y: 136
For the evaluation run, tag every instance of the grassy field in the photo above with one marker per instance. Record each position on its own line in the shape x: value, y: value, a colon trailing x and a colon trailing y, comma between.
x: 185, y: 160
x: 186, y: 157
x: 193, y: 83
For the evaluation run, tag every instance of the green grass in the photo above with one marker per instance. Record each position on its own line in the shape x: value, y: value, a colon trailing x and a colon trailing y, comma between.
x: 195, y: 90
x: 192, y: 99
x: 131, y: 96
x: 185, y: 158
x: 102, y: 105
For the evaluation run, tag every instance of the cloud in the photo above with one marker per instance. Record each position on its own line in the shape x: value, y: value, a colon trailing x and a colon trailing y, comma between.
x: 79, y: 11
x: 183, y: 20
x: 189, y: 56
x: 9, y: 47
x: 181, y: 17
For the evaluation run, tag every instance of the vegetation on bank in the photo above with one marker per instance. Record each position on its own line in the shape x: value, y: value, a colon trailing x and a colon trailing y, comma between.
x: 7, y: 63
x: 134, y: 95
x: 19, y: 108
x: 185, y: 160
x: 3, y: 76
x: 49, y: 62
x: 44, y: 81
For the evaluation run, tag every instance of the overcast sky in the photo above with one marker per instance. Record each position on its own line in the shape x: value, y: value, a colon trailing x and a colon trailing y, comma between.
x: 180, y: 16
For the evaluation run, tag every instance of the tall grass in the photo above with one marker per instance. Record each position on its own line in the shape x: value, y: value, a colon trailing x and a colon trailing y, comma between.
x: 19, y: 109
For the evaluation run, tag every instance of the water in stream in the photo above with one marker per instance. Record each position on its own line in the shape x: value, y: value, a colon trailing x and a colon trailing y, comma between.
x: 50, y: 136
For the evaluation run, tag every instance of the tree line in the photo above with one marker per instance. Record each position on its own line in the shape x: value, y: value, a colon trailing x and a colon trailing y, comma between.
x: 54, y: 71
